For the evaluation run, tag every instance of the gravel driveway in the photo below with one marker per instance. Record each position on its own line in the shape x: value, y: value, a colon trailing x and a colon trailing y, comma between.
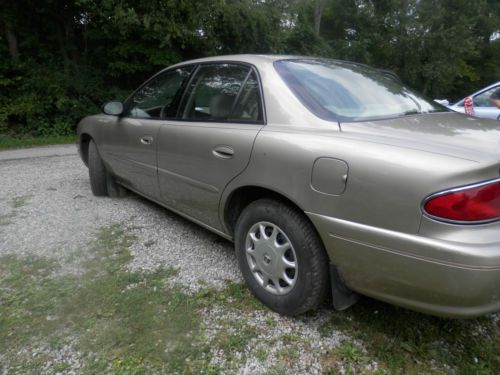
x: 48, y: 211
x: 59, y: 213
x: 51, y: 212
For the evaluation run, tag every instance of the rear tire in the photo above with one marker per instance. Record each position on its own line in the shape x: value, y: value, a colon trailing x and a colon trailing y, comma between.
x: 281, y: 257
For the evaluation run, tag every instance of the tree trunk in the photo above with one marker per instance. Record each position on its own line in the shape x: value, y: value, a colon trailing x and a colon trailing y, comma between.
x: 12, y: 41
x: 425, y: 89
x: 319, y: 7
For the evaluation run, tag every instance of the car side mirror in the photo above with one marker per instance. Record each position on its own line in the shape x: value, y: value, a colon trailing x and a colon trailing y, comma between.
x: 113, y: 108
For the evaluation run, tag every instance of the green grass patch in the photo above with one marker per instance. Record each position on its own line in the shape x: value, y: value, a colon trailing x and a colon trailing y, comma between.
x: 402, y: 341
x: 21, y: 201
x: 287, y: 355
x: 124, y: 322
x: 15, y: 203
x: 9, y: 141
x: 235, y: 337
x: 278, y: 369
x: 291, y: 338
x: 235, y: 296
x: 6, y: 219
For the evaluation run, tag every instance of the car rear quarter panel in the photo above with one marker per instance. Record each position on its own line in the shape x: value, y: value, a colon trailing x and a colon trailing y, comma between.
x: 375, y: 232
x: 385, y: 183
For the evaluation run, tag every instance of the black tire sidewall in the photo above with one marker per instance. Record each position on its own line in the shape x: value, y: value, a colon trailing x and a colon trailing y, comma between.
x: 97, y: 171
x: 298, y: 231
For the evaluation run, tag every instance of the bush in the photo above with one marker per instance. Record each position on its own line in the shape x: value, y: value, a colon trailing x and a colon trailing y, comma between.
x: 48, y: 100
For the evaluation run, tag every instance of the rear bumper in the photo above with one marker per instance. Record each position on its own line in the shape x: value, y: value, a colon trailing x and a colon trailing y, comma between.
x: 438, y: 277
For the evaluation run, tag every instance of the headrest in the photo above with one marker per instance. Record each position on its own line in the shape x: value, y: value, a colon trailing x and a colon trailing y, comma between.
x: 220, y: 105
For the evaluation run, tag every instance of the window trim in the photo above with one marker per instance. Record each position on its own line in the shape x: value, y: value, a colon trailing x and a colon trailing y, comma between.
x: 127, y: 101
x: 237, y: 99
x: 481, y: 93
x: 251, y: 67
x: 460, y: 103
x: 187, y: 82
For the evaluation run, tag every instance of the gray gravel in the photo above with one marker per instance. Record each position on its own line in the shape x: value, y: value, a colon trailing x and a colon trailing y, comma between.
x: 56, y: 215
x: 304, y: 335
x: 48, y: 210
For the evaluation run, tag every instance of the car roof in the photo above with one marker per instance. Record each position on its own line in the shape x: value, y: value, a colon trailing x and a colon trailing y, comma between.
x: 264, y: 59
x: 255, y: 59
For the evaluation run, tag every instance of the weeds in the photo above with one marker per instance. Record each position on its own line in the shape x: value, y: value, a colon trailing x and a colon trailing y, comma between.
x: 123, y: 322
x: 8, y: 141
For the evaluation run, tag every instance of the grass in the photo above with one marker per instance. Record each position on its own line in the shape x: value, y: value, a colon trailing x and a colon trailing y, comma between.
x: 136, y: 323
x: 15, y: 204
x: 21, y: 201
x: 9, y: 141
x: 124, y: 322
x: 235, y: 296
x: 402, y: 341
x: 6, y: 219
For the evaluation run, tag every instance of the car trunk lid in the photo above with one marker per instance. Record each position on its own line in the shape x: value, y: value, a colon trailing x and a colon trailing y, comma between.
x: 447, y: 133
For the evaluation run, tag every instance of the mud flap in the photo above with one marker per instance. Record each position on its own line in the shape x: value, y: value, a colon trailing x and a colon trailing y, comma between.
x: 342, y: 296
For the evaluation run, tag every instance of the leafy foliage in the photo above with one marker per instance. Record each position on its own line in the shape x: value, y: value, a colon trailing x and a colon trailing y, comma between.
x: 63, y: 59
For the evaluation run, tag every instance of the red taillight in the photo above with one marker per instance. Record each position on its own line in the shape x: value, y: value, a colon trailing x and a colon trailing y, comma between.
x: 474, y: 203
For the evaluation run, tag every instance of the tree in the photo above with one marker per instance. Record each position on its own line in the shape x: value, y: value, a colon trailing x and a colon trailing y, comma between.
x: 63, y: 59
x: 319, y: 7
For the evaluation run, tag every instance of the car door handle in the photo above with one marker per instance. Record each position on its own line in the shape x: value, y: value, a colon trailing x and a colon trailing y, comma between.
x: 147, y: 140
x: 223, y: 152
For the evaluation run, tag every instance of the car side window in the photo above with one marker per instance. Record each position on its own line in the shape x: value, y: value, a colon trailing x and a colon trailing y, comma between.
x: 159, y: 97
x: 249, y: 104
x: 483, y: 99
x: 222, y: 92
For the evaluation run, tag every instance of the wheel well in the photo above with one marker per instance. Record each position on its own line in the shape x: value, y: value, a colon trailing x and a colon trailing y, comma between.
x: 84, y: 148
x: 243, y: 196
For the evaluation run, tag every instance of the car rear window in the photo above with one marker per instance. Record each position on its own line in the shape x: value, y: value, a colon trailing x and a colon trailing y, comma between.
x: 344, y: 91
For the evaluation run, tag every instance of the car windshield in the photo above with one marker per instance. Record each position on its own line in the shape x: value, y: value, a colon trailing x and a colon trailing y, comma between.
x: 344, y: 91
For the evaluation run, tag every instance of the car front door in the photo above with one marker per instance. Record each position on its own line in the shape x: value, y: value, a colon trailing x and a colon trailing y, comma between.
x: 211, y: 141
x: 131, y: 146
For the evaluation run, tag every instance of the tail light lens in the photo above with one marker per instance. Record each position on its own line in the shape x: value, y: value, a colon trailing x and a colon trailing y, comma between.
x: 475, y: 203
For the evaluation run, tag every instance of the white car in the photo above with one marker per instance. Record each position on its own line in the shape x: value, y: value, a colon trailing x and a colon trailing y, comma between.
x: 482, y: 103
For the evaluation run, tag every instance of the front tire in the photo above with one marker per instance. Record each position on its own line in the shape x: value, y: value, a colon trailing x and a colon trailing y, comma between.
x: 281, y: 257
x: 102, y: 183
x: 97, y: 172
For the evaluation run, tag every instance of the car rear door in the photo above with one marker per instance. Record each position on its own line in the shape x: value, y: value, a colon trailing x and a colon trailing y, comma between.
x: 212, y: 139
x: 131, y: 144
